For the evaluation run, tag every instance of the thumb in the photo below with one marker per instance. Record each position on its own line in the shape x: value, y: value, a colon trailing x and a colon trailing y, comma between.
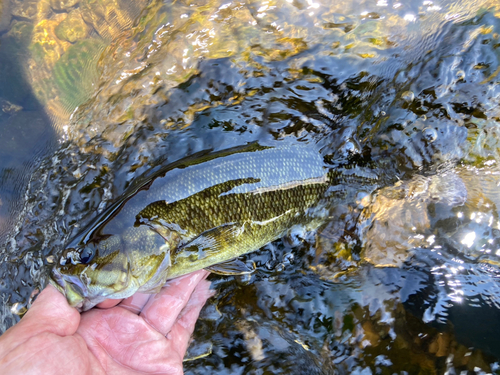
x: 49, y: 313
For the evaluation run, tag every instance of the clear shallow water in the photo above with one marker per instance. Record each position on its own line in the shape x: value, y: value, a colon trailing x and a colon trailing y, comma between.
x: 404, y: 278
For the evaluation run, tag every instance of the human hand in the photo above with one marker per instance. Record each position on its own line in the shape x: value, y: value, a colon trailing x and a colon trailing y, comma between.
x: 142, y: 334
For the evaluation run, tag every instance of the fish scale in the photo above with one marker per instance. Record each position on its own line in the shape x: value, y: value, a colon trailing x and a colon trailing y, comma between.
x: 262, y: 217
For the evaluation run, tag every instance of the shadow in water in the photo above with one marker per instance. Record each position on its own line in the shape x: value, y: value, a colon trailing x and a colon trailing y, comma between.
x: 26, y: 132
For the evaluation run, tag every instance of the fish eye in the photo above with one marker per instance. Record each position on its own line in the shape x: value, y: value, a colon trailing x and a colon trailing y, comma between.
x: 78, y: 256
x: 87, y: 254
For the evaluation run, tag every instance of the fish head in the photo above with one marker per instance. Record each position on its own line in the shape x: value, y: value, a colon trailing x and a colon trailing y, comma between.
x: 113, y: 268
x: 86, y: 277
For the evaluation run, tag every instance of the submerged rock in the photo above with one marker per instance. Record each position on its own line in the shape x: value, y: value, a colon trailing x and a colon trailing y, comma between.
x: 75, y: 74
x: 399, y: 219
x: 111, y: 17
x: 73, y: 27
x: 60, y: 5
x: 27, y: 9
x: 60, y: 50
x: 46, y: 47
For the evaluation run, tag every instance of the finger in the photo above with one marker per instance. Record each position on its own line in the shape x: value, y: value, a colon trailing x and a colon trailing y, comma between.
x: 49, y: 313
x: 182, y: 330
x: 162, y: 310
x: 108, y: 303
x: 136, y: 303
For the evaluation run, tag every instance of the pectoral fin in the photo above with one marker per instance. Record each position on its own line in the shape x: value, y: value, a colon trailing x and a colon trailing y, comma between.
x: 231, y: 267
x: 210, y: 243
x: 211, y: 247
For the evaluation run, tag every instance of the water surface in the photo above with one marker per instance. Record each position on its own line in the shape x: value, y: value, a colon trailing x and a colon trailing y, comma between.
x: 403, y: 278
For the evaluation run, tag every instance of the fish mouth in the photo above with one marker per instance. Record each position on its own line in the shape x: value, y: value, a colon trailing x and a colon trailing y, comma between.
x: 71, y: 287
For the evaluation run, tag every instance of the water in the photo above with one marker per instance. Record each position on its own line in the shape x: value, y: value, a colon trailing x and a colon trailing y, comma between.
x: 401, y: 279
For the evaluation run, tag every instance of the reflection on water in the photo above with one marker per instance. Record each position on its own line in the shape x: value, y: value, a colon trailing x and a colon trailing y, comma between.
x: 401, y: 279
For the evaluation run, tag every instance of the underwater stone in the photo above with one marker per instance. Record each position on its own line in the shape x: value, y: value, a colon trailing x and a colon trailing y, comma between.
x: 25, y: 9
x: 110, y: 17
x: 20, y: 32
x: 46, y: 47
x: 63, y: 4
x: 75, y: 72
x: 72, y: 28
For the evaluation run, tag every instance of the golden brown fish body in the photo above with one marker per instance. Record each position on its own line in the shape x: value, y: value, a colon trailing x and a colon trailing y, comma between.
x: 193, y: 214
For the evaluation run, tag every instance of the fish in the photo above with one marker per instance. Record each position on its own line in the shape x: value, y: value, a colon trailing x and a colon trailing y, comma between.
x: 201, y: 212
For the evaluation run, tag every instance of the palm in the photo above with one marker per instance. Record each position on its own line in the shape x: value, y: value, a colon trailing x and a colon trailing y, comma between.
x: 143, y: 334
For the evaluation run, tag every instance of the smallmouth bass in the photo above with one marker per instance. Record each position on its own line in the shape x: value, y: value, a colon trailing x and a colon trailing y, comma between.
x: 199, y: 212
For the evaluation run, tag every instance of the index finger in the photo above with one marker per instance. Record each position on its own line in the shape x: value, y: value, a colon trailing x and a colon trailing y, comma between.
x: 161, y: 311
